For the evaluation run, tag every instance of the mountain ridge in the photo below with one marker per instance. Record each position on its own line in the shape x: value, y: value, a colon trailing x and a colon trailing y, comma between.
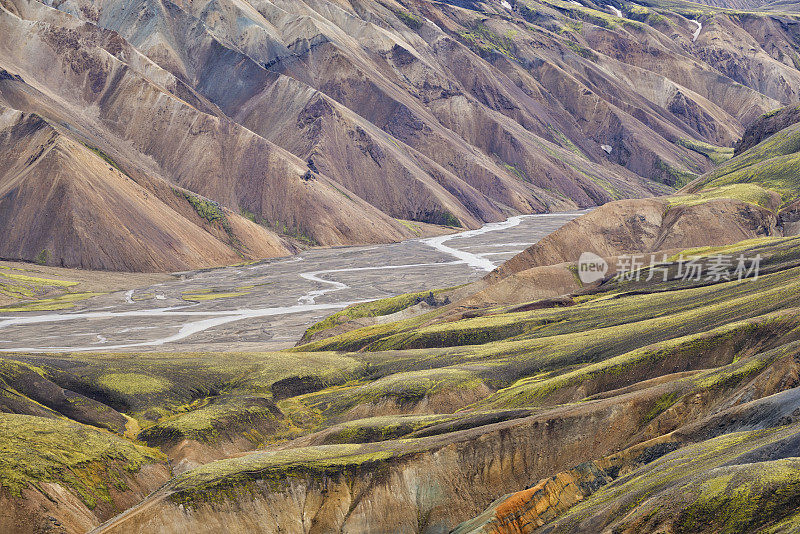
x: 415, y: 111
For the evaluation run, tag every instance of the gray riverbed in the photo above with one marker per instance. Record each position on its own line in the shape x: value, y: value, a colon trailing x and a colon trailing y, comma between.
x: 268, y: 305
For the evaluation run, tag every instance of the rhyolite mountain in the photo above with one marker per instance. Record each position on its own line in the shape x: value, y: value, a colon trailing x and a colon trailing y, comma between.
x: 149, y: 135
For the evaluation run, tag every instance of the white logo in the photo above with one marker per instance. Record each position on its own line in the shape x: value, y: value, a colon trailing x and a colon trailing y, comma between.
x: 591, y: 268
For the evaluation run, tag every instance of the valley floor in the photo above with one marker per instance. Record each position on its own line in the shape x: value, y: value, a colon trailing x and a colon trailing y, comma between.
x: 263, y: 305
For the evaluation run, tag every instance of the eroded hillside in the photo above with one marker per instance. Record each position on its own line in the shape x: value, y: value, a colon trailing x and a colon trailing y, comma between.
x: 178, y: 135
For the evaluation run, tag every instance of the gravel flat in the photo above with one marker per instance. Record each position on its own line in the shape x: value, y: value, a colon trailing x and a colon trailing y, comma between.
x: 269, y: 304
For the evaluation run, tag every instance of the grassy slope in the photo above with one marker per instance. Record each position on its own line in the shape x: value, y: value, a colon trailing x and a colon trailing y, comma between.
x: 773, y: 164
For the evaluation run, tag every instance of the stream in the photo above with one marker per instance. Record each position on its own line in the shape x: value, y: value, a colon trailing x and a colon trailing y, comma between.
x: 268, y: 305
x: 696, y: 33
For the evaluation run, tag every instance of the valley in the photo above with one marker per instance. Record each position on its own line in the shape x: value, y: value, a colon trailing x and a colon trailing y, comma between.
x: 399, y: 266
x: 267, y: 305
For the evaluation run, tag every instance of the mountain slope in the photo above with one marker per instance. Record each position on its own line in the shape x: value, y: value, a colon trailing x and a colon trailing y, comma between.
x: 326, y: 121
x: 74, y: 189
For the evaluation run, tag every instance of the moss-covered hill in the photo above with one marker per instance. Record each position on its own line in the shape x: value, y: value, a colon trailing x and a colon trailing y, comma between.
x: 501, y: 399
x: 432, y: 421
x: 57, y: 475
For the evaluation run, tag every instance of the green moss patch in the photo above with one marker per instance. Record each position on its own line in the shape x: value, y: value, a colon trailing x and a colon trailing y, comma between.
x: 85, y: 460
x: 214, y: 419
x: 485, y: 41
x: 216, y: 480
x: 200, y: 297
x: 61, y: 302
x: 105, y: 157
x: 134, y: 383
x: 382, y: 428
x: 773, y: 164
x: 716, y: 154
x: 750, y: 193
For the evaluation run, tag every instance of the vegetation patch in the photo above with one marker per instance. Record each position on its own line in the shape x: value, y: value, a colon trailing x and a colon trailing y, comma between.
x: 216, y: 480
x: 773, y: 164
x: 374, y: 429
x: 134, y: 383
x: 565, y: 141
x: 749, y: 244
x: 42, y: 258
x: 212, y: 295
x: 582, y: 50
x: 22, y: 286
x: 750, y: 193
x: 716, y: 154
x: 209, y: 210
x: 675, y: 177
x: 281, y: 228
x: 635, y: 366
x: 87, y: 461
x: 32, y: 280
x: 409, y: 19
x: 105, y: 157
x: 646, y: 15
x: 735, y: 500
x: 411, y: 225
x: 485, y: 41
x: 664, y: 402
x: 703, y: 486
x: 61, y: 302
x: 210, y: 420
x: 516, y: 172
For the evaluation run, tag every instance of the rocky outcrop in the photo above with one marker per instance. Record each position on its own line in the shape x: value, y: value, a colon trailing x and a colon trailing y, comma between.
x: 522, y: 512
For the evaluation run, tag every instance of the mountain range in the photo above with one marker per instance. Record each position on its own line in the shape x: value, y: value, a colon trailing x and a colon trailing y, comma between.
x: 160, y: 136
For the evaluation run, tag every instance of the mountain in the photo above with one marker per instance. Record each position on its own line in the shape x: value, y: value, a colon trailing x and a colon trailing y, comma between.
x: 331, y: 123
x: 83, y: 199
